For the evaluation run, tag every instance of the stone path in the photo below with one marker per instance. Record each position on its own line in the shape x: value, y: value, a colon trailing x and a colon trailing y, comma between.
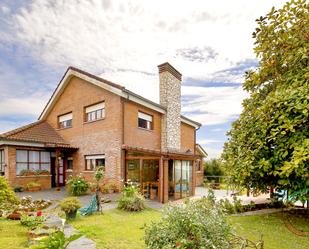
x: 81, y: 243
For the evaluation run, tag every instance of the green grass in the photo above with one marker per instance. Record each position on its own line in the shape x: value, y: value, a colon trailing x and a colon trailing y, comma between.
x: 116, y: 229
x: 12, y: 234
x: 275, y: 234
x: 300, y: 222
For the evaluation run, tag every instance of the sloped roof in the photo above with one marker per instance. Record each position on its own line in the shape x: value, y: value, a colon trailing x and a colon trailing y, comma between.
x: 39, y: 132
x: 107, y: 85
x: 200, y: 150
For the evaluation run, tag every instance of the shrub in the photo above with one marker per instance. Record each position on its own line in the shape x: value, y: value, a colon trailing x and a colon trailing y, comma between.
x: 77, y: 186
x: 131, y: 199
x: 8, y: 199
x: 70, y: 205
x: 18, y: 188
x: 231, y: 207
x: 198, y: 224
x: 227, y: 206
x: 31, y: 221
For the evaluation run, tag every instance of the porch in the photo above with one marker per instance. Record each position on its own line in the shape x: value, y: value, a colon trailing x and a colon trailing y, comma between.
x: 161, y: 176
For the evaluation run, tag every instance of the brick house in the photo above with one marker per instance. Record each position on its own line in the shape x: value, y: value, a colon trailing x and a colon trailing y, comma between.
x: 90, y: 122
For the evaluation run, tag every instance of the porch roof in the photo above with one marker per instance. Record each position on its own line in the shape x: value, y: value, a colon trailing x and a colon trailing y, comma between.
x: 37, y: 134
x: 171, y: 154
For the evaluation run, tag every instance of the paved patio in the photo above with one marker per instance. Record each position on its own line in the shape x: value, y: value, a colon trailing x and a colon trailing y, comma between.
x: 225, y: 194
x: 56, y: 196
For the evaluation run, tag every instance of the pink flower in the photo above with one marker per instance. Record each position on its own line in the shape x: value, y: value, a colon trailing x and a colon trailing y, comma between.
x: 39, y: 213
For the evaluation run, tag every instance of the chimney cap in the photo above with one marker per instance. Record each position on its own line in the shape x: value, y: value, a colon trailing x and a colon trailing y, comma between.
x: 169, y: 68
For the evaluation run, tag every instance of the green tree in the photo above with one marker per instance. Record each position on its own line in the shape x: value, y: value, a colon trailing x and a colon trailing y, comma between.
x: 269, y: 144
x: 213, y: 167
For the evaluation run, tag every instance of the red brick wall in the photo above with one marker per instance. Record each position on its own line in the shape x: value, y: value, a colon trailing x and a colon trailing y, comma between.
x: 187, y: 137
x: 14, y: 180
x: 138, y: 137
x: 99, y: 137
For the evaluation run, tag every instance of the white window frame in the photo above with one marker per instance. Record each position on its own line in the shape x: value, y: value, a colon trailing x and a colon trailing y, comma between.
x: 65, y: 121
x: 145, y: 118
x: 95, y: 112
x: 92, y: 160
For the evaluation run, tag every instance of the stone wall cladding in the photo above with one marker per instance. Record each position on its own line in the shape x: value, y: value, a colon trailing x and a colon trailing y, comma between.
x: 170, y: 95
x: 99, y: 137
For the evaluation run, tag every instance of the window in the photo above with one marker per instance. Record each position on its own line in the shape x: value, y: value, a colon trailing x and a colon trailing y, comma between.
x: 95, y: 112
x: 2, y: 162
x: 94, y: 161
x: 199, y: 165
x: 32, y: 160
x: 65, y: 121
x: 70, y: 163
x: 145, y: 121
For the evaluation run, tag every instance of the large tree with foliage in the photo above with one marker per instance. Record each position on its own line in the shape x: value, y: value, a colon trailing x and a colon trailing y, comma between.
x: 269, y: 144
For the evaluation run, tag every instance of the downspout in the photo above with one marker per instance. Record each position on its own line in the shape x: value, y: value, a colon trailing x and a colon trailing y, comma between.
x: 124, y: 152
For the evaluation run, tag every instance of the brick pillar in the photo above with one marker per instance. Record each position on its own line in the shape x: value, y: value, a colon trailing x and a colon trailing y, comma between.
x: 58, y: 154
x: 165, y: 181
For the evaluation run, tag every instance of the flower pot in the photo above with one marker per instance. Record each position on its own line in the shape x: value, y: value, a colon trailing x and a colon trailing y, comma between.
x: 110, y: 191
x: 14, y: 216
x: 34, y: 189
x: 29, y: 174
x: 153, y: 194
x: 44, y: 173
x: 71, y: 215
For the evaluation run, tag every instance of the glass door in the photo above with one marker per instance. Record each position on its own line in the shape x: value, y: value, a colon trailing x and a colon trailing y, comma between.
x: 178, y: 179
x: 182, y: 178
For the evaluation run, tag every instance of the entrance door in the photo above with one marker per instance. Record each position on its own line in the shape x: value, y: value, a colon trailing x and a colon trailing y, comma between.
x: 61, y: 176
x: 53, y: 171
x: 182, y: 178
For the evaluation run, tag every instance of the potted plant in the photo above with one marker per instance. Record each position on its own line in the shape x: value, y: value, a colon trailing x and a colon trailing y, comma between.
x: 110, y: 187
x: 33, y: 186
x: 70, y: 206
x: 77, y: 185
x: 27, y: 172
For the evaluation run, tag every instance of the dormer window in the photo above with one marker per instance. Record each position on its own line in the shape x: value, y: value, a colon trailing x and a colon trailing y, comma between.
x: 145, y: 121
x: 95, y: 112
x: 65, y: 121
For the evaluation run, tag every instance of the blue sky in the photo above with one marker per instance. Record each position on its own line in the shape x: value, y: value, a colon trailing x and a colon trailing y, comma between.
x: 209, y: 42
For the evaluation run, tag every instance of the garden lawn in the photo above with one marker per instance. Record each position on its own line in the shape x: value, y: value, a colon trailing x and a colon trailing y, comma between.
x: 275, y: 234
x: 12, y: 234
x: 116, y: 229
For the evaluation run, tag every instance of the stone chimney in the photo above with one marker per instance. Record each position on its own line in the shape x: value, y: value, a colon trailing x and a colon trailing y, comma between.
x: 170, y: 98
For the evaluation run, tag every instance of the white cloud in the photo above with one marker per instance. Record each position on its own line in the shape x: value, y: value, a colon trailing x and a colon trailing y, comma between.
x: 109, y: 35
x: 209, y: 141
x: 27, y: 106
x: 213, y: 105
x: 123, y: 41
x: 213, y: 152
